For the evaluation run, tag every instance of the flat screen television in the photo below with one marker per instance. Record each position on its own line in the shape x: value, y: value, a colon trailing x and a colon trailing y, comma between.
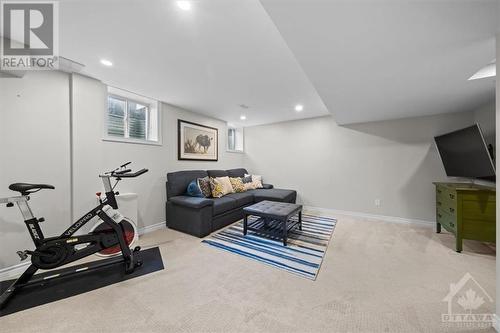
x: 464, y: 153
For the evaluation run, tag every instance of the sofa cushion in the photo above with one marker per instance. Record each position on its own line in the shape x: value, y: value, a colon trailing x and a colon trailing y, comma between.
x: 249, y: 186
x: 193, y: 189
x: 191, y: 202
x: 256, y: 179
x: 177, y: 182
x: 274, y: 195
x: 237, y: 184
x: 236, y: 172
x: 204, y: 185
x: 221, y: 186
x: 224, y: 204
x: 217, y: 173
x: 245, y: 198
x: 246, y: 179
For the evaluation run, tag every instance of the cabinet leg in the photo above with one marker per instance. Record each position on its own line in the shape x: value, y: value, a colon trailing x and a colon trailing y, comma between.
x: 459, y: 244
x: 438, y: 228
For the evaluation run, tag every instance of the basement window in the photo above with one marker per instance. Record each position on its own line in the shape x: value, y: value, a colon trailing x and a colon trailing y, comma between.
x: 131, y: 118
x: 235, y: 139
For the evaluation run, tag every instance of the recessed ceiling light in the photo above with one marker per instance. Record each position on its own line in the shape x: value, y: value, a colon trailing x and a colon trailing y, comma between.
x: 184, y: 5
x: 489, y: 70
x: 299, y: 107
x: 106, y: 62
x: 243, y: 117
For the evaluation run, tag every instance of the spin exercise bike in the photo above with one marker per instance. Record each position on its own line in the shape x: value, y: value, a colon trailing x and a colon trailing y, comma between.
x: 113, y: 235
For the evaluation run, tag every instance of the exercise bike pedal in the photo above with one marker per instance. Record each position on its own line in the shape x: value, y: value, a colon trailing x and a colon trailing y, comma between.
x: 23, y: 255
x: 137, y: 249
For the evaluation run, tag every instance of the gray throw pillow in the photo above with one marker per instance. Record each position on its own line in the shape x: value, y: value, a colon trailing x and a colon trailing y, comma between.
x: 247, y: 179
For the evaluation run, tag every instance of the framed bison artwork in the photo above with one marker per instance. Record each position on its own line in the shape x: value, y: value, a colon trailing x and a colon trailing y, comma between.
x: 197, y: 142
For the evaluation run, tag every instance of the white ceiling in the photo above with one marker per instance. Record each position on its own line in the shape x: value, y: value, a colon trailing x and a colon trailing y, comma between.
x: 365, y: 60
x: 211, y: 59
x: 377, y: 60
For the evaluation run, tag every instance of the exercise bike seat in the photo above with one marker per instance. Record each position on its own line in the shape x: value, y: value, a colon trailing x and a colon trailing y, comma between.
x: 25, y: 188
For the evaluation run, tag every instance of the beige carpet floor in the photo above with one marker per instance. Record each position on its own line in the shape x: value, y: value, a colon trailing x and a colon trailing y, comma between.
x: 376, y: 277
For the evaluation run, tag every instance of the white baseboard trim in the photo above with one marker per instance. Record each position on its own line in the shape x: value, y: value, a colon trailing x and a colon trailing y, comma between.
x: 150, y: 228
x: 16, y: 270
x: 384, y: 218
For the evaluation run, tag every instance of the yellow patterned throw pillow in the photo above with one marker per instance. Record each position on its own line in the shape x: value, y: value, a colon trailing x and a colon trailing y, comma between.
x: 217, y: 190
x: 221, y: 186
x: 237, y: 184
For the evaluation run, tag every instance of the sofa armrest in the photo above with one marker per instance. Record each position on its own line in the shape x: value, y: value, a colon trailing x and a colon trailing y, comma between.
x: 191, y: 202
x: 267, y: 186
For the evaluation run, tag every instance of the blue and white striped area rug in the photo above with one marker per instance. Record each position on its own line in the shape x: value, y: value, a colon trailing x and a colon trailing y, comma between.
x: 303, y: 254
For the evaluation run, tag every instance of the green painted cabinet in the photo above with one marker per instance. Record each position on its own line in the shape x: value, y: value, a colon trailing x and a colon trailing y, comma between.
x: 466, y: 210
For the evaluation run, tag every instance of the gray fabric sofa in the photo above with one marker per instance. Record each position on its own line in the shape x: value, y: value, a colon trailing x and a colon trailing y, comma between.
x: 201, y: 216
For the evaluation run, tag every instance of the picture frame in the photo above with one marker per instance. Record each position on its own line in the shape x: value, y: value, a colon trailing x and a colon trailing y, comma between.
x: 197, y: 142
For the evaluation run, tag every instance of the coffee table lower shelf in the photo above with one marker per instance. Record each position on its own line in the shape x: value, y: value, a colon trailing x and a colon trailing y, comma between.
x: 272, y: 227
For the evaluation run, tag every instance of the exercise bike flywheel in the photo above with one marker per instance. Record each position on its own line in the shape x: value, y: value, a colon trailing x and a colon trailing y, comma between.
x: 129, y: 231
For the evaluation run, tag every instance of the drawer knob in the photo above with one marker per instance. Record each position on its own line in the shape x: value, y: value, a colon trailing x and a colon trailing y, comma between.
x: 452, y: 210
x: 452, y: 196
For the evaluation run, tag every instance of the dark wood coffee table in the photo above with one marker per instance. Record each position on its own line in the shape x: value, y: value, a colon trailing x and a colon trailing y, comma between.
x: 274, y: 218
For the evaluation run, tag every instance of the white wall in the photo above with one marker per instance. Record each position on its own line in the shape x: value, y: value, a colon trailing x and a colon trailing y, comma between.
x: 35, y: 136
x: 92, y: 155
x: 347, y: 168
x: 34, y: 133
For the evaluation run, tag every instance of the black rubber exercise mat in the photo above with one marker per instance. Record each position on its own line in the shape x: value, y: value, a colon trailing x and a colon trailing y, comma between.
x: 60, y: 288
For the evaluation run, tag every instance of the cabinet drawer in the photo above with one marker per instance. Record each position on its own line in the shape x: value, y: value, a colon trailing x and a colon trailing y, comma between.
x: 441, y: 192
x: 446, y: 220
x: 448, y: 206
x: 446, y: 195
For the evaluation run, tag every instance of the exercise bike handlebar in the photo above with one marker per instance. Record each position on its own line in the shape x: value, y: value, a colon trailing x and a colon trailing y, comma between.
x: 127, y: 174
x: 121, y: 172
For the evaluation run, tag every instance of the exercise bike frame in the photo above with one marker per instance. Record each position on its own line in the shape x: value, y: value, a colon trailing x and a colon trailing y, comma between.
x: 38, y: 238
